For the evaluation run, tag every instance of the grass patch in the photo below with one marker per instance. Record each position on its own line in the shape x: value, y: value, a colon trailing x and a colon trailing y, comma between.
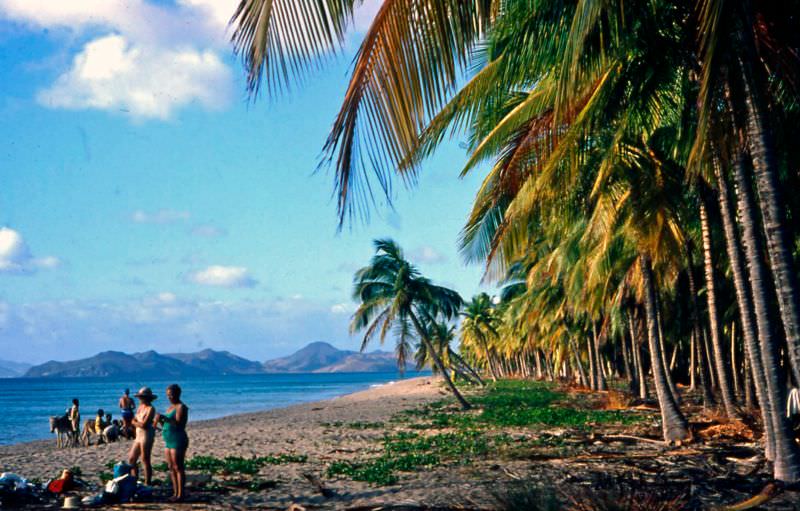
x: 474, y: 435
x: 408, y: 452
x: 517, y: 403
x: 239, y: 465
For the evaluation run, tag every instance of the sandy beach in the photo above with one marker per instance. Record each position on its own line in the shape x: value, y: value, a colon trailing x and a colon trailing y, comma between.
x: 307, y: 429
x: 582, y: 462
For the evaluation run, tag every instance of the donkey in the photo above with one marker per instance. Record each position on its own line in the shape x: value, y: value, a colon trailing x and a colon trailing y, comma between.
x: 62, y: 427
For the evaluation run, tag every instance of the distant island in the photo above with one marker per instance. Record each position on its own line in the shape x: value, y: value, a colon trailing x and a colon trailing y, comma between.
x: 10, y: 369
x: 317, y: 357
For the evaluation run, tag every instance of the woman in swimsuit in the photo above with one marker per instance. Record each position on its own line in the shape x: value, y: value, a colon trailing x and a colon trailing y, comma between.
x: 176, y: 440
x: 145, y: 433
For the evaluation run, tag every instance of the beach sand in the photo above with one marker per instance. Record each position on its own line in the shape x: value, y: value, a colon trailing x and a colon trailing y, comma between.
x: 307, y: 429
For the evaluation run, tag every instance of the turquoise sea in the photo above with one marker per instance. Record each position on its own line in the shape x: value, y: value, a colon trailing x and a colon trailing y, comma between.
x: 27, y: 403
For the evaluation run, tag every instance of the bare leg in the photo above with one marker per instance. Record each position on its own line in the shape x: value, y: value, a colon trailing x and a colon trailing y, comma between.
x: 173, y: 477
x: 133, y: 458
x: 179, y: 457
x: 148, y: 468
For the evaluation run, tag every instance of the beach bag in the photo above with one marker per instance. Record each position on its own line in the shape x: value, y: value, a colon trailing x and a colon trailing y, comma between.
x: 122, y: 469
x: 122, y: 488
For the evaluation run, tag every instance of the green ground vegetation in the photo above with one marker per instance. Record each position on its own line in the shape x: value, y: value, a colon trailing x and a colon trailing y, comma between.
x: 459, y: 437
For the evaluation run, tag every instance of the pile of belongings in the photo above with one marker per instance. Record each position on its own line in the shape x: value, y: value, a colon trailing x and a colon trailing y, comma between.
x: 17, y: 491
x: 119, y: 490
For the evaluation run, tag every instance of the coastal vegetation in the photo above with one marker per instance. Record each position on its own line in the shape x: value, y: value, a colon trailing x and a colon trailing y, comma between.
x: 633, y: 211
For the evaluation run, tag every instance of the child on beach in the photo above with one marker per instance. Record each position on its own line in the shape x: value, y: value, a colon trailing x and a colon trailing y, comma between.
x: 145, y: 433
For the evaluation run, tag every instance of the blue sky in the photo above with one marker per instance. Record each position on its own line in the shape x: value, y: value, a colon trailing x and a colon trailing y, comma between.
x: 146, y: 203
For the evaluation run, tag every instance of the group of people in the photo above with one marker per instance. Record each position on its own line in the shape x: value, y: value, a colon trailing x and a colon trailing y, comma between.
x: 141, y: 423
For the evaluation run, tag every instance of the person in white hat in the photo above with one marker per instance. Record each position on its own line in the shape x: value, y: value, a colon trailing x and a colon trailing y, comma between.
x: 145, y: 433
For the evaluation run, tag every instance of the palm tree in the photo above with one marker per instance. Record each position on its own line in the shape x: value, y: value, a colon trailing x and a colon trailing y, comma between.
x: 408, y: 63
x: 393, y: 294
x: 441, y: 335
x: 479, y: 326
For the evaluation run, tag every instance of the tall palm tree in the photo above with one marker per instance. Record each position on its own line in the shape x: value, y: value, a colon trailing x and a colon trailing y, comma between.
x: 479, y: 327
x: 393, y: 294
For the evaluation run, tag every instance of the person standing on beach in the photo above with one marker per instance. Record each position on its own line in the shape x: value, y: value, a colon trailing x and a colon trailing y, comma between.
x: 126, y: 412
x: 145, y: 434
x: 176, y: 440
x: 74, y: 416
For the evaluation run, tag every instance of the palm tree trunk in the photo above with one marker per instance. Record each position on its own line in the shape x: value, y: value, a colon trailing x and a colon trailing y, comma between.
x: 767, y: 343
x: 670, y: 380
x: 468, y: 368
x: 489, y: 358
x: 723, y: 371
x: 773, y: 213
x: 538, y: 358
x: 641, y: 377
x: 598, y: 361
x: 786, y: 456
x: 581, y: 371
x: 692, y: 363
x: 592, y: 370
x: 708, y: 397
x: 748, y: 385
x: 737, y: 389
x: 626, y: 365
x: 673, y: 360
x: 744, y: 298
x: 673, y: 423
x: 438, y: 361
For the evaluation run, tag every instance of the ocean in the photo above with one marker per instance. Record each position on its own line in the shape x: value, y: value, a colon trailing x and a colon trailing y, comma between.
x: 26, y: 404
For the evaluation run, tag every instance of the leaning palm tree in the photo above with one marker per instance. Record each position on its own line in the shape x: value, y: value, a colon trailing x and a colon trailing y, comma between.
x: 393, y: 294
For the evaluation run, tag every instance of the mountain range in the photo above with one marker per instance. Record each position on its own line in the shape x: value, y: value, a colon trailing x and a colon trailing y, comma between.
x: 317, y: 357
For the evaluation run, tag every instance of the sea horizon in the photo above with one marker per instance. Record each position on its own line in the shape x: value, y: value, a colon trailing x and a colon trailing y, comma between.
x: 28, y: 403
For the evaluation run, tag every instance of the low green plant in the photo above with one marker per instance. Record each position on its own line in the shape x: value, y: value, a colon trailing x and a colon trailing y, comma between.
x: 239, y: 465
x: 161, y: 467
x: 282, y: 459
x: 364, y: 425
x: 105, y: 476
x: 381, y: 471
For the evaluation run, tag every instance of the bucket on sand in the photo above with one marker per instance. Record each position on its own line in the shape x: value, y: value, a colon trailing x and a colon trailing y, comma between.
x: 71, y: 503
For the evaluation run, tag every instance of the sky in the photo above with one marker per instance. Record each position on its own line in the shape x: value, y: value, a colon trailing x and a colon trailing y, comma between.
x: 147, y: 202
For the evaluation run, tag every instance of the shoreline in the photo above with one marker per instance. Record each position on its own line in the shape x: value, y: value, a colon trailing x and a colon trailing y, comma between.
x: 194, y: 423
x: 317, y: 430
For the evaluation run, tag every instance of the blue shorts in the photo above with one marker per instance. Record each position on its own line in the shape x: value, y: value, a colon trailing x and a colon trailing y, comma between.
x: 126, y: 414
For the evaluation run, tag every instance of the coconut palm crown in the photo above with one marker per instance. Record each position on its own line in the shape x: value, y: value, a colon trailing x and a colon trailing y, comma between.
x: 393, y: 295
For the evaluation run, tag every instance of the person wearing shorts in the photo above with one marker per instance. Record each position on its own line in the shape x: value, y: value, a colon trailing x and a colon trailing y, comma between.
x: 126, y: 412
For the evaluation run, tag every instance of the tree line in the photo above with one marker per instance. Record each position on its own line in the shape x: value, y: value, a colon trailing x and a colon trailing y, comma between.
x: 637, y: 208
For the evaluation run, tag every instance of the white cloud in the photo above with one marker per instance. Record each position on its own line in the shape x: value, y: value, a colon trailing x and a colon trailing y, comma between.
x: 427, y: 254
x: 343, y: 308
x: 111, y: 73
x: 145, y: 59
x: 208, y: 231
x: 223, y: 276
x: 80, y: 328
x: 16, y: 257
x: 220, y: 11
x: 162, y: 216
